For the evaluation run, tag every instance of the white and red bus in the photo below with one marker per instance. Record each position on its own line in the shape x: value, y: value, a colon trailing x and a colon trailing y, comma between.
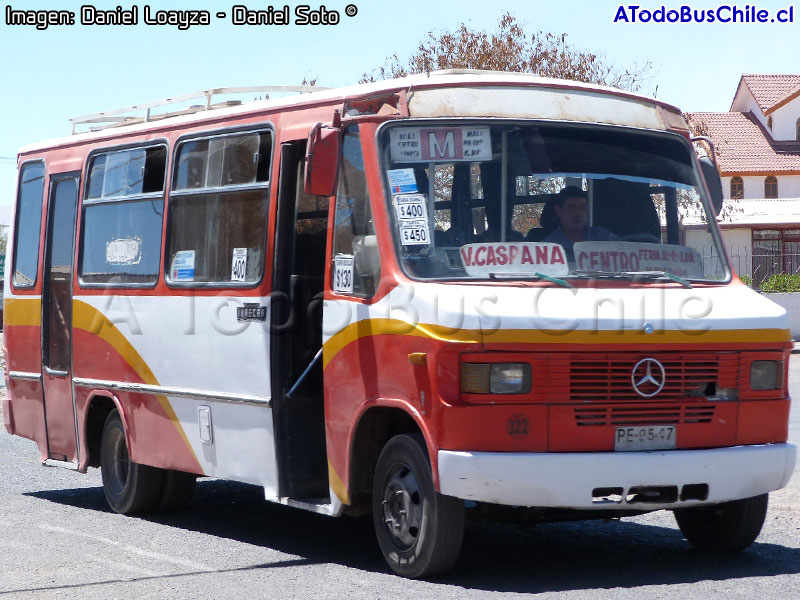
x: 414, y: 298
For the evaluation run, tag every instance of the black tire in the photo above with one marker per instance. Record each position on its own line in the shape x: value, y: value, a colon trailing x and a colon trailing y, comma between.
x: 726, y: 527
x: 419, y: 531
x: 176, y: 490
x: 129, y: 487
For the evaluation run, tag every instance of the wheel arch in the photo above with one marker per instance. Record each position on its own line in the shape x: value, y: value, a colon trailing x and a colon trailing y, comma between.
x: 373, y: 427
x: 100, y: 404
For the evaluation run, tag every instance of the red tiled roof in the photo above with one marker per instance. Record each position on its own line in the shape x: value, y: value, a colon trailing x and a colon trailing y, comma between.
x: 743, y: 146
x: 770, y: 91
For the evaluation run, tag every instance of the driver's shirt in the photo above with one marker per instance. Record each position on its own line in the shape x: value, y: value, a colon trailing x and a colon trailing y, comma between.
x: 591, y: 234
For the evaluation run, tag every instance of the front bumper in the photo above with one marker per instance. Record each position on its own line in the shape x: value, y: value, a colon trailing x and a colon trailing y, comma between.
x: 569, y: 480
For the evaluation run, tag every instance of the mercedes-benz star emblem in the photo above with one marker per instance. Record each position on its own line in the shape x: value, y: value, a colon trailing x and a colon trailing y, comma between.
x: 648, y: 377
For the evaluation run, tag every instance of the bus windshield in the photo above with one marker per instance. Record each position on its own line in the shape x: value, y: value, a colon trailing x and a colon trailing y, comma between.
x: 533, y: 200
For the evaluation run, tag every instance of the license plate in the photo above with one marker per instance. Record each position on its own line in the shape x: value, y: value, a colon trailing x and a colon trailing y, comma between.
x: 644, y: 437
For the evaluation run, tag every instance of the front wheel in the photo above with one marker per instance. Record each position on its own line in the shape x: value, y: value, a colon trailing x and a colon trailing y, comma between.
x: 419, y: 531
x: 129, y: 487
x: 725, y: 527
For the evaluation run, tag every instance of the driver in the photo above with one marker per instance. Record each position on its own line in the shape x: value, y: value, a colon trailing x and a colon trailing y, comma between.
x: 572, y: 212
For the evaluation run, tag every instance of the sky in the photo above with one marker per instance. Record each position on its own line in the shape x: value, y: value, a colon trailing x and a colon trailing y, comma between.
x: 63, y: 71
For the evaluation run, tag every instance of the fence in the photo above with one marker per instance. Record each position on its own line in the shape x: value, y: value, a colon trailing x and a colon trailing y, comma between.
x: 758, y: 263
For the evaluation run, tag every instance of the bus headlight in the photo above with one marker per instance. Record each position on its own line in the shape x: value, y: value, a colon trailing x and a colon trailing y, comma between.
x: 764, y: 375
x: 495, y: 378
x: 510, y: 378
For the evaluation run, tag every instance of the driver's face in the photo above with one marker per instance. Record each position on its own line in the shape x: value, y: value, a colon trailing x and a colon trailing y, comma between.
x: 573, y: 215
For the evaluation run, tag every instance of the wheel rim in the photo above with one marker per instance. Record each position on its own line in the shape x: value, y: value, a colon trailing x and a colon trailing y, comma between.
x: 120, y: 463
x: 402, y: 506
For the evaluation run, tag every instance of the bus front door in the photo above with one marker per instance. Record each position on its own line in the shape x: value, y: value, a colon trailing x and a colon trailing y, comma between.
x: 296, y: 313
x: 59, y: 404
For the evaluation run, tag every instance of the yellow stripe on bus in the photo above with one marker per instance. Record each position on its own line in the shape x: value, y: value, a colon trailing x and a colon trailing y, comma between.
x: 23, y: 312
x: 28, y: 312
x: 336, y: 485
x: 371, y: 327
x: 88, y: 318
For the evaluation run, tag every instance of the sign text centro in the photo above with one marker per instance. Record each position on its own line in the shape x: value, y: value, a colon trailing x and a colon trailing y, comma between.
x: 615, y: 257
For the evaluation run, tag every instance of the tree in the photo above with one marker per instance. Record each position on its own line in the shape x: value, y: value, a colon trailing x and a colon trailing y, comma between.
x: 510, y: 48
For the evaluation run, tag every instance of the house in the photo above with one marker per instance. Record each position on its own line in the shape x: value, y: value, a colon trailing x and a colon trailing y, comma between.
x: 757, y: 147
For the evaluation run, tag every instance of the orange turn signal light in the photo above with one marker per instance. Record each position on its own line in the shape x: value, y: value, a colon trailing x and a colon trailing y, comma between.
x: 475, y: 378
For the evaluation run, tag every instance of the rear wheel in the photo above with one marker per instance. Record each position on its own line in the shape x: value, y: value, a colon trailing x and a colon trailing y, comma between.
x: 176, y: 490
x: 725, y: 527
x: 129, y: 487
x: 419, y: 531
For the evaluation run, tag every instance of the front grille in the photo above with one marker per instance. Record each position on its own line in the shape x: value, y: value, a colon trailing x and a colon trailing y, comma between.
x: 677, y: 414
x: 608, y: 377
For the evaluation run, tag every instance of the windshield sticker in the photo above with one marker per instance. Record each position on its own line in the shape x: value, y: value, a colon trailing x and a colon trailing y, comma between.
x: 514, y: 258
x: 239, y: 264
x: 411, y: 206
x: 617, y: 257
x: 183, y: 266
x: 343, y: 273
x: 412, y: 217
x: 402, y: 181
x: 414, y: 233
x: 440, y: 144
x: 124, y: 251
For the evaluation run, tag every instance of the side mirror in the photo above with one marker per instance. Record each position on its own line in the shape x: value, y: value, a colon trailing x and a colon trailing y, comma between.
x: 713, y: 182
x: 322, y: 160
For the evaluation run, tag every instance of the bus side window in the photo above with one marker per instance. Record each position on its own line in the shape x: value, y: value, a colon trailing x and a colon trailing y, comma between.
x: 28, y: 227
x: 354, y: 233
x: 218, y: 210
x: 122, y: 216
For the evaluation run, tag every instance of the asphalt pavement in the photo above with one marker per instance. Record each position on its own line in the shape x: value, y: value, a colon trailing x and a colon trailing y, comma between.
x: 58, y: 539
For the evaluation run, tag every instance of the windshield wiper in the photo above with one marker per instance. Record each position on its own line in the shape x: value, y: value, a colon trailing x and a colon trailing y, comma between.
x: 599, y: 274
x: 661, y: 274
x: 633, y: 275
x: 532, y: 277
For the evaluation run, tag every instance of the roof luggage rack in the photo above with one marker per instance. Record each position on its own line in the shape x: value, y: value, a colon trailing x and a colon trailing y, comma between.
x: 129, y: 115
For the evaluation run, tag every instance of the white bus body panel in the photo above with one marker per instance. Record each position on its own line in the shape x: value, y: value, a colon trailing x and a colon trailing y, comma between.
x: 194, y: 344
x: 550, y: 312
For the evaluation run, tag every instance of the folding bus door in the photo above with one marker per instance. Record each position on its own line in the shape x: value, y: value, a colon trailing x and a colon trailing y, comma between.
x: 297, y: 400
x: 59, y: 404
